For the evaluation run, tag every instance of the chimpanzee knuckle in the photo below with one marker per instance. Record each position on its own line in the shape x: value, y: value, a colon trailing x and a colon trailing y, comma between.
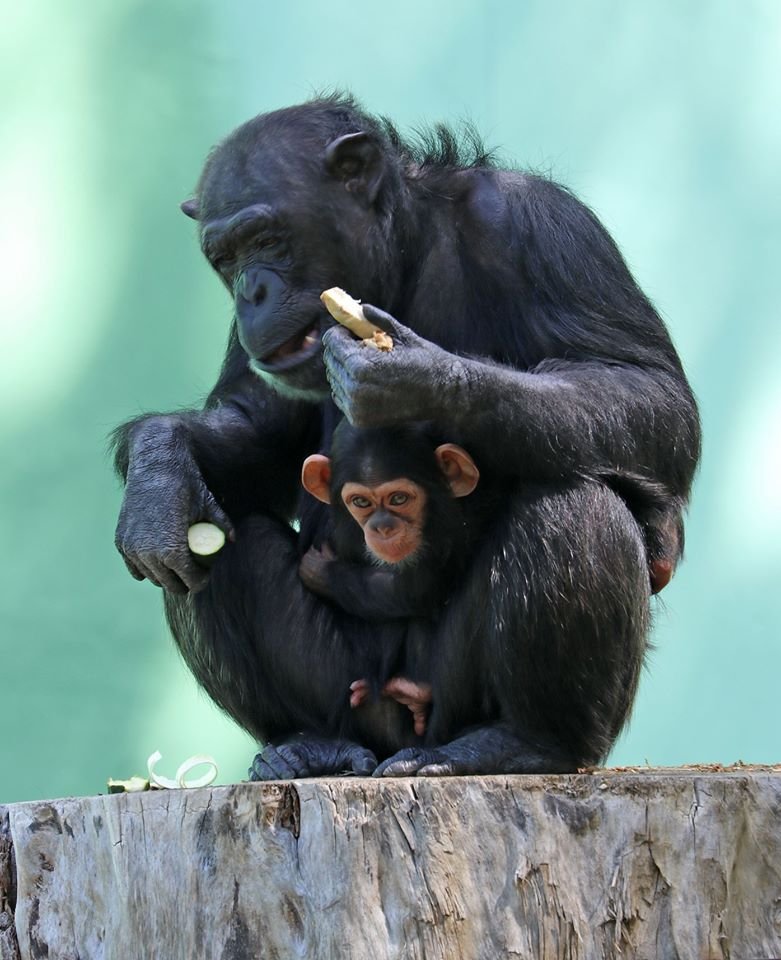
x: 363, y: 762
x: 180, y: 568
x: 337, y: 381
x: 173, y: 557
x: 133, y: 570
x: 445, y: 769
x: 261, y: 770
x: 333, y: 337
x: 145, y: 556
x: 400, y: 768
x: 291, y: 762
x: 165, y: 579
x: 338, y: 348
x: 341, y: 368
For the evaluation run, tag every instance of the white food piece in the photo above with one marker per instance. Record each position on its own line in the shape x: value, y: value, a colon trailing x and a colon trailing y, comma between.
x: 204, y: 539
x: 349, y: 312
x: 180, y: 781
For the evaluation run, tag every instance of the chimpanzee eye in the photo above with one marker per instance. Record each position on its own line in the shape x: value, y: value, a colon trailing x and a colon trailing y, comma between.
x: 268, y: 244
x: 223, y: 264
x: 360, y: 502
x: 225, y: 267
x: 398, y: 499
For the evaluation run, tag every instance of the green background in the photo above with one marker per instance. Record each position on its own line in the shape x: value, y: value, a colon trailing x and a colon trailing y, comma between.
x: 663, y: 116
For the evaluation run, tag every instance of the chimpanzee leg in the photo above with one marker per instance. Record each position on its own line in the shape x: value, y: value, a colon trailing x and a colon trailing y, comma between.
x: 271, y: 654
x: 547, y: 638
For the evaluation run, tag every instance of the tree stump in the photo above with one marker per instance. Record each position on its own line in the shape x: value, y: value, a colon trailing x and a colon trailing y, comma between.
x: 657, y: 864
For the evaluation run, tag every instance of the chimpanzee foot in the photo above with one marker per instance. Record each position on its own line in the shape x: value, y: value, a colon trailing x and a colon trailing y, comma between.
x: 311, y: 757
x: 484, y: 750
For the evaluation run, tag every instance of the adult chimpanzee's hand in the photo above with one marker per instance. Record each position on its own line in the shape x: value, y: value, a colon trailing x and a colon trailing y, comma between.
x: 375, y: 388
x: 164, y: 496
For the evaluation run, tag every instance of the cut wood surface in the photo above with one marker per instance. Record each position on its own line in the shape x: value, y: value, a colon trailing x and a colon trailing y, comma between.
x: 654, y: 864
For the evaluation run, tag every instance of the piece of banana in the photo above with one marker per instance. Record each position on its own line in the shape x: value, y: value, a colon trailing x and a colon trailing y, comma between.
x: 349, y: 312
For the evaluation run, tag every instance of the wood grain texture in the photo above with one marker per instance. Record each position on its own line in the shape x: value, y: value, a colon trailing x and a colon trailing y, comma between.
x: 669, y: 864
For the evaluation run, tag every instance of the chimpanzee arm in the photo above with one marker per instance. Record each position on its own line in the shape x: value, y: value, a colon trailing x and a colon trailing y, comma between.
x: 561, y: 419
x: 366, y: 592
x: 588, y: 376
x: 241, y: 452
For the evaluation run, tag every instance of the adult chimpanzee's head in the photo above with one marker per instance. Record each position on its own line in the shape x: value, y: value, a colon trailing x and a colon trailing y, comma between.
x: 291, y: 203
x: 394, y: 485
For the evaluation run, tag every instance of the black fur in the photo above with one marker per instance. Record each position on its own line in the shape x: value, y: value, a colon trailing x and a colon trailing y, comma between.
x: 526, y: 336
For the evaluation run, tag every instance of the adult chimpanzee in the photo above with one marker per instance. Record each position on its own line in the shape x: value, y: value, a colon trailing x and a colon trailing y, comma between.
x: 525, y: 336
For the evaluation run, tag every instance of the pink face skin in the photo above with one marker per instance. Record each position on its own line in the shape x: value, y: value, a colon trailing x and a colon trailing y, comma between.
x: 390, y: 515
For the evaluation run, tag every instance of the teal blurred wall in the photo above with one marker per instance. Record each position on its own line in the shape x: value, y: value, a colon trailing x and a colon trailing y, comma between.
x: 663, y: 116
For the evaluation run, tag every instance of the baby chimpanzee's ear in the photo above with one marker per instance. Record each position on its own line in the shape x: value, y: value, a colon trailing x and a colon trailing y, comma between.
x: 316, y: 476
x: 459, y: 469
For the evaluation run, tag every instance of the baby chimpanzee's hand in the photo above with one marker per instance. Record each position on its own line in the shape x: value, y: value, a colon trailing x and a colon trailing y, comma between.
x: 416, y: 696
x: 313, y: 569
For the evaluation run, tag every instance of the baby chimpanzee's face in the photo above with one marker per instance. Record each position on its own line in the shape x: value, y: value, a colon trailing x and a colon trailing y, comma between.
x: 391, y: 515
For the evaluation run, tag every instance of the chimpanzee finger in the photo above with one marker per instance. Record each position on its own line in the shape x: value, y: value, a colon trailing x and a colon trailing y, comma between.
x: 406, y: 762
x: 141, y: 568
x: 397, y: 768
x: 162, y: 575
x: 216, y: 515
x: 133, y: 570
x: 342, y: 399
x: 364, y: 763
x: 179, y: 571
x: 446, y: 769
x: 339, y: 342
x: 339, y: 356
x: 192, y: 575
x: 269, y: 764
x: 344, y: 356
x: 418, y: 720
x: 172, y: 583
x: 388, y: 324
x: 359, y: 692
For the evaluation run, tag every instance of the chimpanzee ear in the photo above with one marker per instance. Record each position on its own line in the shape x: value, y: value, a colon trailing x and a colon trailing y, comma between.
x: 459, y: 468
x: 316, y: 477
x: 190, y: 208
x: 356, y: 160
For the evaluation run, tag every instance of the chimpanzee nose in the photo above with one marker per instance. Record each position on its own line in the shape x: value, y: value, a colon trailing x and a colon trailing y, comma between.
x: 254, y: 288
x: 259, y: 293
x: 383, y: 525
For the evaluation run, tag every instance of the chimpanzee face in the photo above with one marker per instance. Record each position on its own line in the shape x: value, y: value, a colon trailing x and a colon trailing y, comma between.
x: 391, y: 515
x: 286, y: 212
x: 393, y: 486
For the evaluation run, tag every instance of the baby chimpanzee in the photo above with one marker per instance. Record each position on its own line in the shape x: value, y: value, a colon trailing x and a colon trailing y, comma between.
x: 400, y: 536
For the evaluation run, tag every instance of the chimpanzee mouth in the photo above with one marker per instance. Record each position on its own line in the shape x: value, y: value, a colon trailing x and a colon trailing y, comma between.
x: 293, y: 352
